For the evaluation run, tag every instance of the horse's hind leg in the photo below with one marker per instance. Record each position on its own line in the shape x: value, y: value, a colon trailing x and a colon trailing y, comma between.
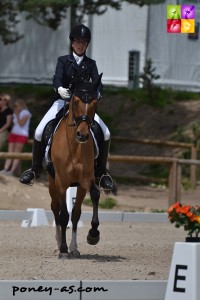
x: 94, y: 234
x: 76, y: 213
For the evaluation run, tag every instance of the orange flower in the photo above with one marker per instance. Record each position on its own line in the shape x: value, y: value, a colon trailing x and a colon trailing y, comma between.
x: 185, y: 209
x: 177, y: 204
x: 174, y: 206
x: 170, y: 210
x: 178, y: 210
x: 189, y: 214
x: 193, y: 218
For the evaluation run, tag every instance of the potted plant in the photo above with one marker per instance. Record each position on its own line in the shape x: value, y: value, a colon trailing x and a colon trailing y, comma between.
x: 187, y: 216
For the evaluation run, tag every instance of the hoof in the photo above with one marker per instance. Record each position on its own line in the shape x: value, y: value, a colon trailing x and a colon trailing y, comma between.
x: 63, y: 255
x: 93, y: 239
x: 74, y: 254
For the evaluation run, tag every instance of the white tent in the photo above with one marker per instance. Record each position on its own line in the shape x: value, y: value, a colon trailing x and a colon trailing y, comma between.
x: 114, y: 34
x: 33, y: 58
x: 175, y: 56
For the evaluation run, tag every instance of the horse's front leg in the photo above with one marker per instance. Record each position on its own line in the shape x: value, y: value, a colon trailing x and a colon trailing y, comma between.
x: 61, y: 215
x: 63, y: 220
x: 76, y: 213
x: 94, y: 234
x: 55, y: 207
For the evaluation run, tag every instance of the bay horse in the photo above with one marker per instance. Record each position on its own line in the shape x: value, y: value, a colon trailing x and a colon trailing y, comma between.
x: 72, y: 154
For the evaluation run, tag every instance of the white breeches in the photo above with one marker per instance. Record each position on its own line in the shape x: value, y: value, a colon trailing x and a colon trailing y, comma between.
x: 51, y: 113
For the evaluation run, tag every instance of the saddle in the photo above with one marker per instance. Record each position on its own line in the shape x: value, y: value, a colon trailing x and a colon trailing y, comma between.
x: 46, y: 143
x: 47, y: 137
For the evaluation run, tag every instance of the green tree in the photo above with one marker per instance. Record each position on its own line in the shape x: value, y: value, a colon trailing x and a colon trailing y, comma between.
x: 147, y: 78
x: 51, y: 12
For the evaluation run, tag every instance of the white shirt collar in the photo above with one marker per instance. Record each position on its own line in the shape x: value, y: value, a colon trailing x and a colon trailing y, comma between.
x: 78, y: 58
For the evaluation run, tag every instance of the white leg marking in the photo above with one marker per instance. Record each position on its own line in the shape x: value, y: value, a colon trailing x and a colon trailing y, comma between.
x: 73, y: 245
x: 58, y: 236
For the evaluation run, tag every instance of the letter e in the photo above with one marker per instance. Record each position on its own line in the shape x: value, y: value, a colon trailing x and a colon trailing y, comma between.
x: 179, y: 277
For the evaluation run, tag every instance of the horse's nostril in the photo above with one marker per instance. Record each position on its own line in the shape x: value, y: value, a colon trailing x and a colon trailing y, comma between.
x: 82, y: 137
x: 78, y: 134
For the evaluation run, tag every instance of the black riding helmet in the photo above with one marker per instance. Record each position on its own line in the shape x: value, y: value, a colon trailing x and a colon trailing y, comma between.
x: 80, y: 32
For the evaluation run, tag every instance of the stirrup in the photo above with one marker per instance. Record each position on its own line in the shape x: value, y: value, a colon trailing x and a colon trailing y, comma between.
x: 113, y: 188
x: 100, y: 180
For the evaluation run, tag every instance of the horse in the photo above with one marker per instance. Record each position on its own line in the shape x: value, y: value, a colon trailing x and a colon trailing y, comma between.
x: 73, y: 155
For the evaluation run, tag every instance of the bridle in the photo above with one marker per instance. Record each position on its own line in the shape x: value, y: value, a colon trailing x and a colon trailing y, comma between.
x: 86, y: 96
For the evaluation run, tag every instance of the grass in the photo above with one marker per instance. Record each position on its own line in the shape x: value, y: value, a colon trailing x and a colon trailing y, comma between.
x: 87, y: 201
x: 161, y: 96
x: 107, y: 203
x: 38, y: 97
x: 28, y: 90
x: 164, y: 95
x: 158, y: 211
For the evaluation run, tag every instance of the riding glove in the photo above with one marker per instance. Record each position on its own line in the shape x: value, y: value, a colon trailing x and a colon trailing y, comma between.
x: 64, y: 93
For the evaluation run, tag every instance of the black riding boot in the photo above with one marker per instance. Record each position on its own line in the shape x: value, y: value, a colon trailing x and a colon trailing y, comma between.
x: 103, y: 177
x: 36, y: 169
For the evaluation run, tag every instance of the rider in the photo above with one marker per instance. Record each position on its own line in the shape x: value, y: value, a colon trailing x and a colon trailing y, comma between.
x: 68, y: 66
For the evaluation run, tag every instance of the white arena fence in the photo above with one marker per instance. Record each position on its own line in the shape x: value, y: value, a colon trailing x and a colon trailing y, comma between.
x: 82, y: 290
x: 40, y: 217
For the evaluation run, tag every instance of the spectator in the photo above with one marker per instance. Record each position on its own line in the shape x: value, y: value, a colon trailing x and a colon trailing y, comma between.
x: 18, y: 136
x: 6, y: 117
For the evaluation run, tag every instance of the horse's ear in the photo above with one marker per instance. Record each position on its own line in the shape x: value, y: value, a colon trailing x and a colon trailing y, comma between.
x: 98, y: 82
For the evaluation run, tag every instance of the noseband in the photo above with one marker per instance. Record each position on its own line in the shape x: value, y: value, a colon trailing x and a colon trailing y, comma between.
x: 86, y: 96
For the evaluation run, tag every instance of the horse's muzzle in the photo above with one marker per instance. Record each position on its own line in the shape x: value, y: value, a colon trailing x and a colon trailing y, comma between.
x: 81, y: 138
